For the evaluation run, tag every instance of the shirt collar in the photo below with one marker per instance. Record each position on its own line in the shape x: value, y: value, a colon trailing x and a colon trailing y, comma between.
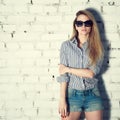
x: 84, y: 46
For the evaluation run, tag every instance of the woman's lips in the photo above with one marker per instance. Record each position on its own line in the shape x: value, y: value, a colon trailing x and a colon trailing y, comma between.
x: 83, y: 30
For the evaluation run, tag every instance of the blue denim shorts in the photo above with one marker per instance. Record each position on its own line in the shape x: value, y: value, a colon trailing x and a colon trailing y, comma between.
x: 87, y: 100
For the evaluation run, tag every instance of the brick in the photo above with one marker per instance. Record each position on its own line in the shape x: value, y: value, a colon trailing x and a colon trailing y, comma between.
x: 2, y: 46
x: 2, y: 19
x: 12, y: 99
x: 114, y: 62
x: 30, y: 79
x: 115, y: 113
x: 18, y: 9
x: 27, y: 54
x: 42, y: 45
x: 115, y: 71
x: 77, y: 2
x: 91, y: 2
x: 115, y: 45
x: 54, y: 71
x: 22, y: 28
x: 30, y: 36
x: 12, y: 46
x: 107, y: 18
x: 7, y: 88
x: 49, y: 19
x: 65, y: 2
x: 27, y: 63
x: 65, y: 9
x: 9, y: 71
x: 112, y: 37
x: 110, y: 10
x: 41, y: 88
x: 110, y: 27
x: 55, y: 45
x: 22, y: 117
x: 54, y: 37
x: 46, y: 104
x: 36, y: 9
x: 116, y: 95
x: 62, y: 29
x: 10, y: 79
x: 14, y: 2
x: 9, y: 28
x: 46, y: 2
x: 36, y: 28
x: 77, y: 8
x: 95, y: 5
x: 50, y: 10
x: 34, y: 71
x: 26, y: 45
x: 115, y: 53
x: 51, y: 118
x: 106, y: 78
x: 42, y: 62
x: 46, y: 79
x: 30, y: 112
x: 25, y: 87
x: 51, y: 28
x: 13, y: 63
x: 115, y: 79
x: 44, y: 112
x: 5, y: 36
x: 115, y: 104
x: 19, y: 19
x: 53, y: 86
x: 38, y: 95
x: 69, y: 19
x: 50, y: 53
x: 115, y: 87
x: 13, y: 113
x: 6, y: 9
x: 2, y: 114
x: 54, y: 62
x: 2, y: 63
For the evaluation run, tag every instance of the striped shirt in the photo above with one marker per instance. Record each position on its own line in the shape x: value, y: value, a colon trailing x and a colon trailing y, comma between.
x: 73, y: 56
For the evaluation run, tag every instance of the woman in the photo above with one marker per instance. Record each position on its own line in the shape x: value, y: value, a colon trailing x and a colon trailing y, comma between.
x: 80, y: 62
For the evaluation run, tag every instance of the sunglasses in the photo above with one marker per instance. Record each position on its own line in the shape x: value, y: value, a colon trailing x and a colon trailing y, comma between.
x: 87, y: 23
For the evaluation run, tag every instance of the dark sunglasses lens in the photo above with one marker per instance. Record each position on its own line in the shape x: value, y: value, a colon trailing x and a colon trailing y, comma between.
x: 79, y: 23
x: 88, y: 23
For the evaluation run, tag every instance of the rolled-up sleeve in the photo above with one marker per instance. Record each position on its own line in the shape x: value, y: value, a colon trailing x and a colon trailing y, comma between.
x: 96, y: 68
x: 64, y: 61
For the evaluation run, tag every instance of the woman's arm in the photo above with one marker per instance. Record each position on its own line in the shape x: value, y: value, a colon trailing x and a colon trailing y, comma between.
x: 62, y: 102
x: 78, y: 72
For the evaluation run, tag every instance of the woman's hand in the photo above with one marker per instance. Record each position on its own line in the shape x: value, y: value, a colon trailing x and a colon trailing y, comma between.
x: 63, y: 108
x: 63, y: 69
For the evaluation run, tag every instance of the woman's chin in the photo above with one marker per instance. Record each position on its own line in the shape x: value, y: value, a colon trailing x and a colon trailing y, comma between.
x: 84, y: 33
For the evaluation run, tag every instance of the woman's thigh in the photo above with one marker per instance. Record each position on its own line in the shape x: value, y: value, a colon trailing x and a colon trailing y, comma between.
x: 73, y: 116
x: 94, y: 115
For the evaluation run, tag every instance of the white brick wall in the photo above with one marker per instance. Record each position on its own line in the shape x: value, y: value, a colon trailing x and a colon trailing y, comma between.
x: 31, y: 32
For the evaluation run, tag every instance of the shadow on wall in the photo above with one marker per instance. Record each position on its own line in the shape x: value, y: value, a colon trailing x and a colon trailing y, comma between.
x: 101, y: 85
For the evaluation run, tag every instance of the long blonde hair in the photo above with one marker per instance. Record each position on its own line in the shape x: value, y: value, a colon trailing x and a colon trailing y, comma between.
x: 94, y: 43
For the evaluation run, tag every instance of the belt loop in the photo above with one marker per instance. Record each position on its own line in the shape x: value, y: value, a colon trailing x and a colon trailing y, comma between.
x: 74, y: 92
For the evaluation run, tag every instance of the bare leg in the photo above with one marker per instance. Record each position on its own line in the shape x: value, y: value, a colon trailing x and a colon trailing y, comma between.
x: 72, y: 116
x: 94, y: 115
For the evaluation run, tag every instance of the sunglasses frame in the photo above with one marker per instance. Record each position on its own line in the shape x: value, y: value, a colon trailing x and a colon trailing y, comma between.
x: 87, y: 23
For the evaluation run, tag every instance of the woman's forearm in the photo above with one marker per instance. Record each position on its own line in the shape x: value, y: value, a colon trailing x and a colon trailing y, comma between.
x: 81, y: 72
x: 63, y: 88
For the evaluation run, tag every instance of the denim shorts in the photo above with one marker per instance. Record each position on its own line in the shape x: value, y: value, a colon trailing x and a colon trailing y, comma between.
x: 87, y: 100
